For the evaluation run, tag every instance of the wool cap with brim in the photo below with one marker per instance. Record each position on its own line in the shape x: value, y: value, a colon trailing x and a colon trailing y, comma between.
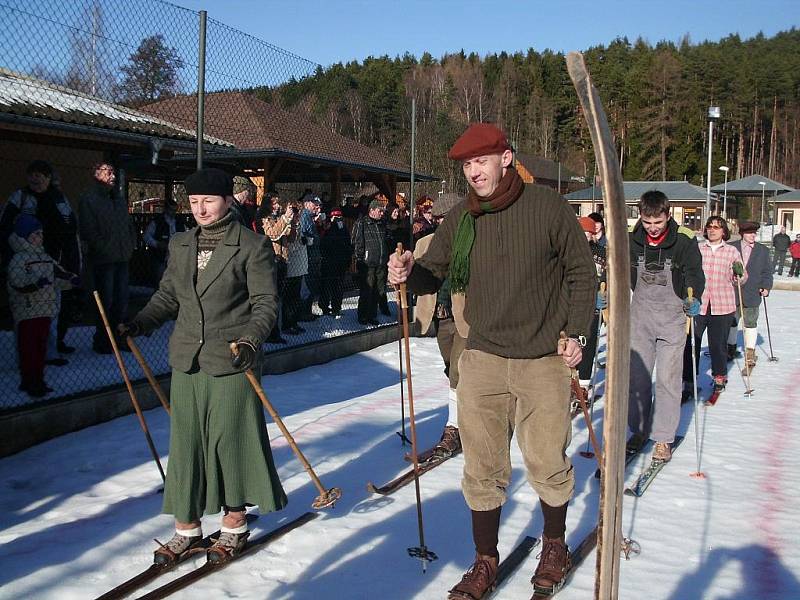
x: 445, y: 203
x: 479, y: 139
x: 748, y: 226
x: 209, y: 182
x: 587, y: 224
x: 376, y: 204
x: 26, y: 224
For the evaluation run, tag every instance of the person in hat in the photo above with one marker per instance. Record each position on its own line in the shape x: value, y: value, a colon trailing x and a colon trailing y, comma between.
x: 780, y: 245
x: 107, y: 230
x: 219, y: 287
x: 794, y: 250
x: 755, y: 258
x: 423, y: 223
x: 337, y: 253
x: 33, y: 277
x: 521, y: 259
x: 157, y: 235
x: 445, y: 312
x: 598, y: 250
x: 722, y: 266
x: 371, y: 252
x: 665, y: 263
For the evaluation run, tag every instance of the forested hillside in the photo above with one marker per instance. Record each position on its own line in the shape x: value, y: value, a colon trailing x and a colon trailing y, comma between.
x: 657, y: 97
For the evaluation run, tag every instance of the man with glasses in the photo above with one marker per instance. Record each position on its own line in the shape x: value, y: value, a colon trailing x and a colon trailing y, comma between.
x: 107, y: 230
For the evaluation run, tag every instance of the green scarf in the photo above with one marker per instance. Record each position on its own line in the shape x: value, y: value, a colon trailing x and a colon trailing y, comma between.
x: 507, y: 191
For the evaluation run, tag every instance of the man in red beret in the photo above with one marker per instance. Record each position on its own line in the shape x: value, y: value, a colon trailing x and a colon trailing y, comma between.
x: 755, y: 258
x: 520, y: 257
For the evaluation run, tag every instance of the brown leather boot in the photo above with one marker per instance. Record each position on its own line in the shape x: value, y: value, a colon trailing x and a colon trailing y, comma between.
x: 554, y: 564
x: 750, y: 357
x: 449, y: 444
x: 477, y: 581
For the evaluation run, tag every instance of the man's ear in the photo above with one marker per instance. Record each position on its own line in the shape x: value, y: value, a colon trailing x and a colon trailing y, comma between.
x: 507, y: 158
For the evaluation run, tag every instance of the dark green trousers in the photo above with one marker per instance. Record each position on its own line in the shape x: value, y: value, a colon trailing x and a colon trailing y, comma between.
x: 219, y: 452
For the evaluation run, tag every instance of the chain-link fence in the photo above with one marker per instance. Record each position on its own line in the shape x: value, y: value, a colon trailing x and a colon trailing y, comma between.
x: 98, y: 122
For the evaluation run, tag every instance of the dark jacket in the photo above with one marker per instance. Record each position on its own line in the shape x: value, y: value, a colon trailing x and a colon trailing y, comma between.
x: 681, y: 246
x: 531, y: 275
x: 369, y: 241
x: 235, y: 298
x: 336, y: 250
x: 759, y: 274
x: 781, y: 242
x: 105, y: 225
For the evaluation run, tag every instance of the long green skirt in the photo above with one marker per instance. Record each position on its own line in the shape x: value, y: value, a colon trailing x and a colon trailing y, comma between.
x: 219, y: 453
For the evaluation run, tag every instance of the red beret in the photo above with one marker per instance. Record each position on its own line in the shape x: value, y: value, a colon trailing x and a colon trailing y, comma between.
x: 478, y: 140
x: 587, y: 224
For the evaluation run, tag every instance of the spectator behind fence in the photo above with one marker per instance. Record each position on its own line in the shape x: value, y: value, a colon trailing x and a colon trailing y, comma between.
x: 106, y: 228
x: 42, y: 198
x: 278, y: 226
x: 369, y: 246
x: 296, y: 269
x: 337, y: 252
x: 423, y: 223
x: 33, y: 277
x: 244, y: 192
x: 780, y: 244
x: 794, y: 250
x: 310, y: 216
x: 397, y: 226
x: 157, y: 236
x: 24, y: 200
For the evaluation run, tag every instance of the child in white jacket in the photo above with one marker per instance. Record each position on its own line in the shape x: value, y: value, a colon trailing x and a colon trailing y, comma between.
x: 32, y: 276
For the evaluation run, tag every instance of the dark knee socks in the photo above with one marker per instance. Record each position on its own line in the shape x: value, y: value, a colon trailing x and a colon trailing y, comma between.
x: 485, y: 528
x: 555, y: 520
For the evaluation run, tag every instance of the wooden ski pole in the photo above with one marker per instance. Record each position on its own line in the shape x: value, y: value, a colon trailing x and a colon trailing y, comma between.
x: 749, y: 391
x: 595, y: 368
x: 327, y: 498
x: 127, y: 379
x: 578, y: 391
x: 421, y: 552
x: 148, y: 373
x: 402, y: 433
x: 772, y: 357
x: 690, y: 332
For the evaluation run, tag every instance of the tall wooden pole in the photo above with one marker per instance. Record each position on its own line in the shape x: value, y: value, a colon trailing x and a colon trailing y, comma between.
x: 618, y: 345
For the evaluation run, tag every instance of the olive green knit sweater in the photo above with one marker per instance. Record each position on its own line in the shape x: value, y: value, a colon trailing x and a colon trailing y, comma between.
x: 531, y: 275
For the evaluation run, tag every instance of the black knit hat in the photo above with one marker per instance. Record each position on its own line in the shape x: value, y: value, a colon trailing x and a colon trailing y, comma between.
x: 209, y: 182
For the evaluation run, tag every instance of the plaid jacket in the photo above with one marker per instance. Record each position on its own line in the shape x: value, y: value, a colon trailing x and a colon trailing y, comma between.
x: 720, y: 280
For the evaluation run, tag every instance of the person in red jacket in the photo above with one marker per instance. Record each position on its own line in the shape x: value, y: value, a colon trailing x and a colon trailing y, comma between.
x: 794, y: 250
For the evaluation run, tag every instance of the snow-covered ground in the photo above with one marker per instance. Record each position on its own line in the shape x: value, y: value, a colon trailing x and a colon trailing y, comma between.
x: 78, y: 514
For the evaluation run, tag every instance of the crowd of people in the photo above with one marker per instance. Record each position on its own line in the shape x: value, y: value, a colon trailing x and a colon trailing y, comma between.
x: 52, y: 255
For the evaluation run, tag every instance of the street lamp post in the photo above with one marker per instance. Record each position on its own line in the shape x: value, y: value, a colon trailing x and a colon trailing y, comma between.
x: 763, y: 185
x: 725, y: 170
x: 713, y: 115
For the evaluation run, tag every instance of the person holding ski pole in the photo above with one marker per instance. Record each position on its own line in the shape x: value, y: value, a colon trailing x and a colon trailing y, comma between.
x: 755, y: 258
x: 722, y: 265
x: 446, y: 312
x: 219, y: 288
x: 520, y: 257
x: 665, y: 262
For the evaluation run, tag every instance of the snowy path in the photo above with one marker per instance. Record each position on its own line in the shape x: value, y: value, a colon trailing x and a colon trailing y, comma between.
x: 77, y: 514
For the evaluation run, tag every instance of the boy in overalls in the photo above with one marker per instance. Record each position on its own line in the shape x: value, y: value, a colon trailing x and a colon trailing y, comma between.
x: 665, y: 262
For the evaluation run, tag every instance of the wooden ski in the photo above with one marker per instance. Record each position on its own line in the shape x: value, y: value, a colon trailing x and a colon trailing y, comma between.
x: 609, y: 530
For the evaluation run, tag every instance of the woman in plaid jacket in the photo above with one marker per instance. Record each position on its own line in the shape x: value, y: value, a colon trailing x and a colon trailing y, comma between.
x: 722, y: 265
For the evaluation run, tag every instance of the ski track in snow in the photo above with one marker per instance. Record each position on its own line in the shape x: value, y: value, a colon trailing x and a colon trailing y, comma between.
x: 78, y: 513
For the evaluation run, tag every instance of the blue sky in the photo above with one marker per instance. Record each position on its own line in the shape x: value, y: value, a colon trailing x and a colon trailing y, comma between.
x: 330, y: 31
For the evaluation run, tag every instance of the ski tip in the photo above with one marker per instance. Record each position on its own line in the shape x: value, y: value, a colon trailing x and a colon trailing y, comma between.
x: 697, y: 475
x: 372, y: 488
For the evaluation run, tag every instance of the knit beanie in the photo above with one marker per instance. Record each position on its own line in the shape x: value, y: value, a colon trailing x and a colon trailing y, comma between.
x: 26, y: 224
